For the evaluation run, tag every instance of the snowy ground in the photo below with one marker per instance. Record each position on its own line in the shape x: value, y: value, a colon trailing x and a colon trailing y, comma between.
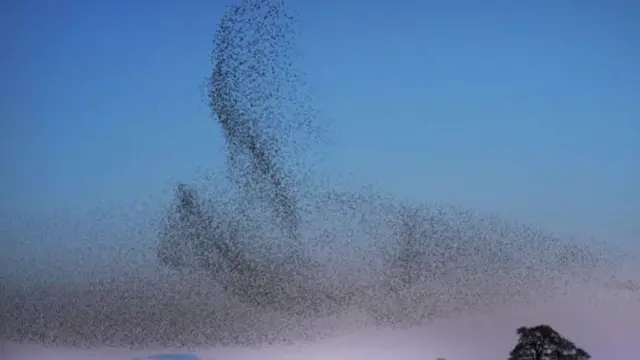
x: 604, y: 322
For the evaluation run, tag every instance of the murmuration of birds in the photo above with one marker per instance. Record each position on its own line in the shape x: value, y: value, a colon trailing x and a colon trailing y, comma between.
x: 254, y: 93
x: 257, y: 97
x: 282, y: 261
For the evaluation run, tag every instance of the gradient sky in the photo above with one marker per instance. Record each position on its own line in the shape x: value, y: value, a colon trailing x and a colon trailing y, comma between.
x: 529, y: 109
x: 526, y: 109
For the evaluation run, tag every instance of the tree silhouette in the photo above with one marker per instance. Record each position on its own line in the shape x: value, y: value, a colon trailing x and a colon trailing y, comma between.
x: 544, y: 343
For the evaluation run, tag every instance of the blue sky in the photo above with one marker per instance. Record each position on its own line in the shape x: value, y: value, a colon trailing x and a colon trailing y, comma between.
x: 526, y: 109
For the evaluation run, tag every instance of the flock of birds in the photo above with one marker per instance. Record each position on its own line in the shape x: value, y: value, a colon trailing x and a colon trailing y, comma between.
x: 401, y: 264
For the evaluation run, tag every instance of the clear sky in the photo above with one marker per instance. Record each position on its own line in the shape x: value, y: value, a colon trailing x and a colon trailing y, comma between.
x: 526, y: 109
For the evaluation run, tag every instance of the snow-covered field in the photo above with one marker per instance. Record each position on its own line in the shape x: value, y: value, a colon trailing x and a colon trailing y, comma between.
x: 603, y: 321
